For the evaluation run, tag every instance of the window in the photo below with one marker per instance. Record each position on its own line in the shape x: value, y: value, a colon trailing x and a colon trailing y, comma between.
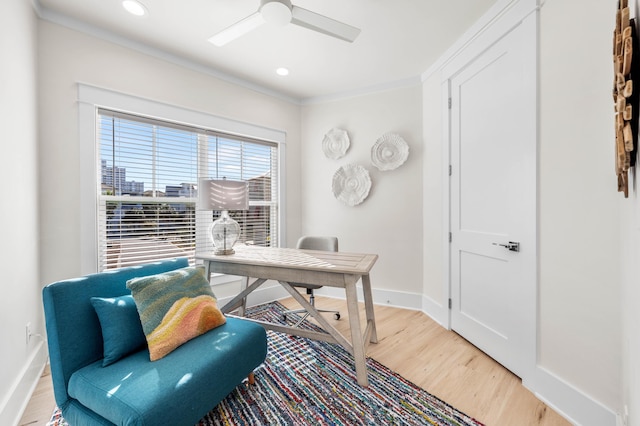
x: 148, y: 182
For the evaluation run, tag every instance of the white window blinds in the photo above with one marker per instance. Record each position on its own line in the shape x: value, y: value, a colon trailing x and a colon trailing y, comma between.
x: 147, y: 188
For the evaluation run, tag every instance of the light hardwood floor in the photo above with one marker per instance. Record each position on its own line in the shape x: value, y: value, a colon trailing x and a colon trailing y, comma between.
x: 419, y: 349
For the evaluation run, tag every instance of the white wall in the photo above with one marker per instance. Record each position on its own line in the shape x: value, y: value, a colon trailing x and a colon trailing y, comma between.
x: 434, y: 292
x: 389, y: 221
x: 579, y: 321
x: 630, y: 293
x: 19, y: 212
x: 630, y: 299
x: 579, y: 294
x: 67, y: 57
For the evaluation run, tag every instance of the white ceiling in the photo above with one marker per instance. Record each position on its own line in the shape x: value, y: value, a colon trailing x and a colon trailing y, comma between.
x: 400, y: 39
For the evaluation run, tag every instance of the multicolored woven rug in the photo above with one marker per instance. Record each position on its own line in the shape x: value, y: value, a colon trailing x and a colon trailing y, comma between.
x: 308, y: 382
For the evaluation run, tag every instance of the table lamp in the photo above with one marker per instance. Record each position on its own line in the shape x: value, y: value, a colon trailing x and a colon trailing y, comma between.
x: 223, y: 195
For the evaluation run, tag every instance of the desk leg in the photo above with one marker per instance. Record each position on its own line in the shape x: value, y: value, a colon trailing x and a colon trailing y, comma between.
x: 207, y: 270
x: 356, y: 334
x: 368, y: 303
x: 239, y: 300
x: 243, y: 308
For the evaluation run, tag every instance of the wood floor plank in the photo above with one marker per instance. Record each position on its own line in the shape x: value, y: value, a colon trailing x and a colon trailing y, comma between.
x: 419, y: 349
x: 448, y: 366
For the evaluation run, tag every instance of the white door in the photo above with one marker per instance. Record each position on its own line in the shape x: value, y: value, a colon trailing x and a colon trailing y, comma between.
x: 493, y: 201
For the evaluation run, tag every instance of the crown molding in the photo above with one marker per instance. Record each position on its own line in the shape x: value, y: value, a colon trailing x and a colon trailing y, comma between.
x: 392, y: 85
x: 495, y: 13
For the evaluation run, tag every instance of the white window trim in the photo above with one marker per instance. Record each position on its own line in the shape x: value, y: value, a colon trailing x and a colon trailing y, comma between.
x: 90, y: 98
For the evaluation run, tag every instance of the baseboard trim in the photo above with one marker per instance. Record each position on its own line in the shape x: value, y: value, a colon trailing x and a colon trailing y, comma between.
x: 21, y: 392
x: 577, y: 407
x: 436, y: 311
x: 398, y: 299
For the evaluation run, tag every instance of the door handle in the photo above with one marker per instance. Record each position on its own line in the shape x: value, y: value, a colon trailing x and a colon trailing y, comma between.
x: 511, y: 245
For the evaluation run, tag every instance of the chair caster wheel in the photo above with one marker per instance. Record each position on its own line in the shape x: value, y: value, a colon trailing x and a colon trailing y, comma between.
x: 336, y: 316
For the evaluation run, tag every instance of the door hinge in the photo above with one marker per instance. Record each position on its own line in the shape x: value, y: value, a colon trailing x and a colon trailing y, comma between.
x: 449, y: 103
x: 450, y: 304
x: 450, y: 237
x: 450, y: 170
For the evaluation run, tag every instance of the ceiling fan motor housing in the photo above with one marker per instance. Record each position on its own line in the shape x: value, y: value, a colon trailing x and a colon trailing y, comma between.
x: 276, y: 12
x: 281, y: 13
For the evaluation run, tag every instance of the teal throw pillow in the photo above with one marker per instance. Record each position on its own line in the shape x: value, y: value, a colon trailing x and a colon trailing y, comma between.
x: 174, y: 307
x: 121, y: 328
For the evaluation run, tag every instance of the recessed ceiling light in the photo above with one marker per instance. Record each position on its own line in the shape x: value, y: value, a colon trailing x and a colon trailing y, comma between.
x: 134, y: 7
x: 282, y: 71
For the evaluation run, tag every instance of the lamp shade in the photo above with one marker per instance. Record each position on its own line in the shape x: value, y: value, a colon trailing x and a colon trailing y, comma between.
x: 223, y: 195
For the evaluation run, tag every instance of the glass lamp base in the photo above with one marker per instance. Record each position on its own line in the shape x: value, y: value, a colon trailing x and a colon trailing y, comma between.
x: 224, y: 252
x: 224, y: 233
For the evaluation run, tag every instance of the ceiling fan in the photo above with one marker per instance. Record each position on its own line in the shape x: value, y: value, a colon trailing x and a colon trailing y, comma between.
x: 282, y: 12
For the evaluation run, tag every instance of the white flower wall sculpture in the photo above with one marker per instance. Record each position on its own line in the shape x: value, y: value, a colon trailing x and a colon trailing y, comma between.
x: 335, y: 143
x: 351, y: 184
x: 389, y: 152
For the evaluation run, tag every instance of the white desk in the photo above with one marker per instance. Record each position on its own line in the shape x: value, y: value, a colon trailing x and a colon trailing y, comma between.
x: 331, y: 269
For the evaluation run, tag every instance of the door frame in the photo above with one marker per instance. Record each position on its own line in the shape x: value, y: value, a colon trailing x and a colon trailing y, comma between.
x: 503, y: 19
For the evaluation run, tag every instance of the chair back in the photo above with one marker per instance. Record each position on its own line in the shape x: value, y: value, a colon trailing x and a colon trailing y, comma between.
x: 318, y: 243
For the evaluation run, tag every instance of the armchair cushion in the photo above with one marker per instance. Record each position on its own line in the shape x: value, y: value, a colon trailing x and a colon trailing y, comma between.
x: 121, y: 328
x: 174, y: 307
x: 178, y: 389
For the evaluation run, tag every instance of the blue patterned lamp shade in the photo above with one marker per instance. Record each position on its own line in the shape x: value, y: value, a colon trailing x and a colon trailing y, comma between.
x: 223, y: 195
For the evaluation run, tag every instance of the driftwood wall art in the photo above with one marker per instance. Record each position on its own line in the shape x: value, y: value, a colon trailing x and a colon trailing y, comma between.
x: 625, y: 48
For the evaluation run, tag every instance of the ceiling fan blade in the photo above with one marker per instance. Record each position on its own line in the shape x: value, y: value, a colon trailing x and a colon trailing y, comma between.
x: 238, y: 29
x: 314, y: 21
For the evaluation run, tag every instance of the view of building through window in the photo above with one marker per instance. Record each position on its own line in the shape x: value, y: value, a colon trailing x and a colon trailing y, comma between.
x: 148, y: 188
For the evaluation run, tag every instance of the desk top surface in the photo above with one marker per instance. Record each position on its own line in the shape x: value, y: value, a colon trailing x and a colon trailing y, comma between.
x: 326, y: 261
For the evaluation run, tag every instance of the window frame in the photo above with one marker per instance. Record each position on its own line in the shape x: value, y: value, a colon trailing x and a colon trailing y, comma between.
x: 91, y: 99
